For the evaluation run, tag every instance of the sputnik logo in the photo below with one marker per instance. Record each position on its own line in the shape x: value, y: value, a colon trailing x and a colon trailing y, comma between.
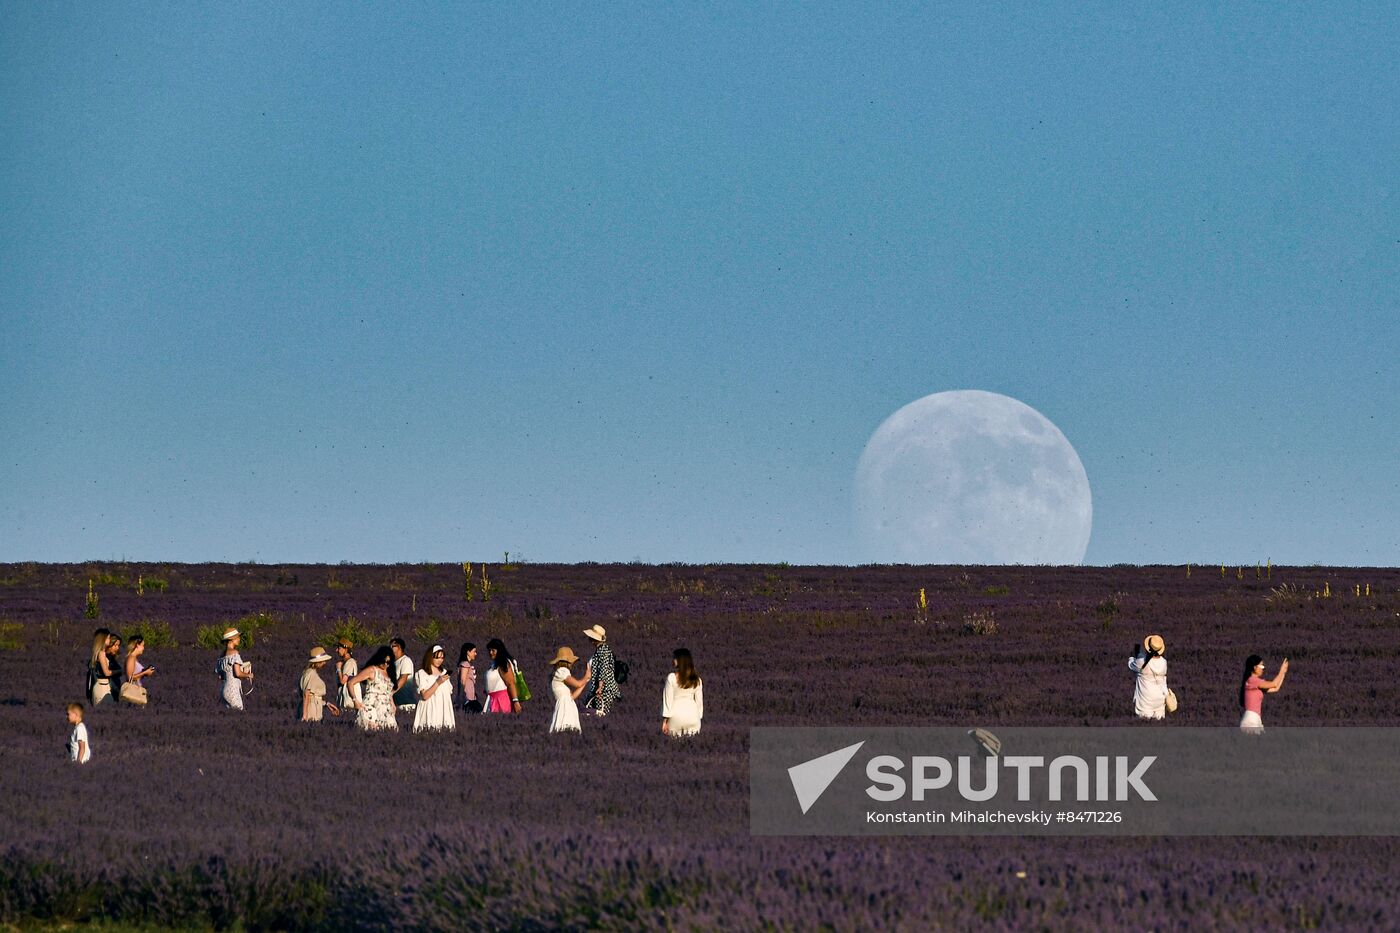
x: 811, y: 778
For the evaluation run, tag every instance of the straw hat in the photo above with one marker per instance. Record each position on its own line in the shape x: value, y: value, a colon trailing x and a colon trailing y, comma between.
x: 318, y: 654
x: 231, y: 633
x: 1154, y: 643
x: 564, y: 654
x: 597, y: 633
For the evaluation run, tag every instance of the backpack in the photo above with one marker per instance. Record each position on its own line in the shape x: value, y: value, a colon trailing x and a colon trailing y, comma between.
x: 621, y: 671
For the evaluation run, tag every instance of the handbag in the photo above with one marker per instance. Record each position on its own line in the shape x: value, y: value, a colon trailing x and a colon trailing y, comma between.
x: 133, y: 693
x: 522, y: 689
x: 1171, y: 701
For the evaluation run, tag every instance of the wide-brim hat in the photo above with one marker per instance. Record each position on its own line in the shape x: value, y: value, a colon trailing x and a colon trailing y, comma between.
x: 318, y: 654
x: 565, y: 654
x: 231, y: 633
x: 597, y: 633
x: 1154, y: 644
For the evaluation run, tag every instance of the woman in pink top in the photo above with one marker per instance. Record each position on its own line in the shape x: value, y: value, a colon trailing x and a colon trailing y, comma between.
x: 1252, y: 689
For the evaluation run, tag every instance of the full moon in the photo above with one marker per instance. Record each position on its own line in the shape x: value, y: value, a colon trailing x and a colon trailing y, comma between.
x: 971, y: 477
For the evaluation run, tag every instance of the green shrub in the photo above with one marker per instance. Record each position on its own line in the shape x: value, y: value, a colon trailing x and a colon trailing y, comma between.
x: 354, y: 631
x: 429, y: 632
x: 155, y: 634
x: 11, y: 636
x: 980, y: 623
x: 997, y: 590
x: 249, y: 626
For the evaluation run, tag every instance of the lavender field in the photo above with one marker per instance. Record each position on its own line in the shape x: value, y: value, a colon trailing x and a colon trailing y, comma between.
x: 193, y: 817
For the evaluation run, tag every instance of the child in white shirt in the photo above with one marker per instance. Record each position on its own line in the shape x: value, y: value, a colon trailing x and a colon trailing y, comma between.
x: 79, y: 749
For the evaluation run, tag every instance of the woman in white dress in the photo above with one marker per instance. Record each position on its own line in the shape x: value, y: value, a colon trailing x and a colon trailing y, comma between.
x: 566, y: 689
x: 682, y: 699
x: 1150, y: 691
x: 434, y: 709
x: 375, y: 701
x: 233, y: 670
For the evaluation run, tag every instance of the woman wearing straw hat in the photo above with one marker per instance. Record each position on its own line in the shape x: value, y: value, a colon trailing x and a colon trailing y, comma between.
x: 433, y: 686
x: 1150, y: 693
x: 602, y: 673
x: 313, y: 688
x: 232, y: 668
x: 566, y: 689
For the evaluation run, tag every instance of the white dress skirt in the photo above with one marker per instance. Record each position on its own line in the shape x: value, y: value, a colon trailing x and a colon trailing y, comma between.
x: 565, y: 717
x: 683, y: 706
x: 436, y: 711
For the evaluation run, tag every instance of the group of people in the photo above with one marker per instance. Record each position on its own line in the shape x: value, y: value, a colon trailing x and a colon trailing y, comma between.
x: 1153, y: 699
x: 388, y: 684
x: 111, y: 678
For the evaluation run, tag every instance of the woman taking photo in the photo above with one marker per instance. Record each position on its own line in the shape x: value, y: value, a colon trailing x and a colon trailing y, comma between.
x: 500, y: 680
x: 134, y: 691
x: 313, y: 688
x: 1253, y: 686
x: 682, y: 700
x: 232, y: 671
x: 1150, y: 691
x: 434, y: 710
x: 100, y: 670
x: 375, y: 699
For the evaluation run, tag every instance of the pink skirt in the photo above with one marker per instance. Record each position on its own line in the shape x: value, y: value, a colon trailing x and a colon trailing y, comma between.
x: 498, y: 702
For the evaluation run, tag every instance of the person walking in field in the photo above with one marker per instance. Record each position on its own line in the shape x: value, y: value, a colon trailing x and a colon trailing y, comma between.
x: 1253, y: 686
x: 1150, y: 691
x: 405, y: 694
x: 434, y: 687
x: 100, y: 668
x: 345, y: 671
x: 682, y: 699
x: 375, y: 701
x: 312, y: 688
x: 566, y: 688
x: 466, y: 676
x: 500, y: 680
x: 134, y: 691
x: 232, y: 671
x: 79, y: 748
x: 601, y: 675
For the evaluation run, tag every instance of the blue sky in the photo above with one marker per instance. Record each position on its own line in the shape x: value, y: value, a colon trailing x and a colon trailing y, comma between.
x: 410, y: 282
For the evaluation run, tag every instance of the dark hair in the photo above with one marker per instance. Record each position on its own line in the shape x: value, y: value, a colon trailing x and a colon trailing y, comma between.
x: 503, y: 659
x: 133, y: 641
x: 1250, y: 664
x: 466, y: 650
x: 382, y: 655
x: 396, y: 640
x: 428, y: 660
x: 686, y: 675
